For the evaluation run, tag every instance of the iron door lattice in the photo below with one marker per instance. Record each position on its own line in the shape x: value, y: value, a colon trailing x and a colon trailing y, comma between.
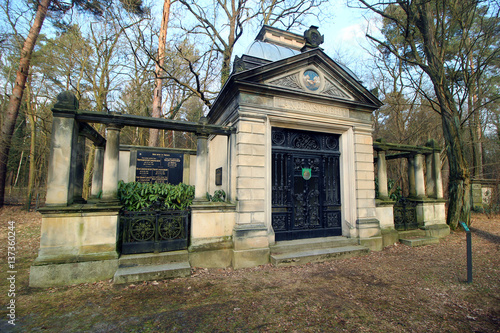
x: 306, y: 199
x: 405, y: 215
x: 157, y: 231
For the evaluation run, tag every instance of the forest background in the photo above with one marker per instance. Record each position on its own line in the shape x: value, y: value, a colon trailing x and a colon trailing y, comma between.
x: 110, y: 54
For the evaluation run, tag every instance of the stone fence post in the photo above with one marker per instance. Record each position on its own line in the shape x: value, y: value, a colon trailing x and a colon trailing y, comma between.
x: 64, y: 152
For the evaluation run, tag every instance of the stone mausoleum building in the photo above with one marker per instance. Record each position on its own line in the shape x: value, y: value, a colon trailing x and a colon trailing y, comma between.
x: 288, y: 139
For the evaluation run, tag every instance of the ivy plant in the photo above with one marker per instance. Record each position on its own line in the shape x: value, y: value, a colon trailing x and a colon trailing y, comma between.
x: 219, y: 196
x: 135, y: 196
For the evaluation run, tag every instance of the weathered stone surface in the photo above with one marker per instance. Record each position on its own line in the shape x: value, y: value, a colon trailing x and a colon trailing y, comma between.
x: 54, y: 275
x: 219, y: 258
x: 373, y: 243
x: 414, y: 242
x: 61, y: 164
x: 389, y: 237
x: 385, y: 215
x: 151, y: 272
x: 250, y: 258
x: 437, y: 230
x: 318, y: 255
x: 78, y: 233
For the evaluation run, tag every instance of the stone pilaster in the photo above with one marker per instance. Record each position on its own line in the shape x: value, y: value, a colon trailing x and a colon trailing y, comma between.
x: 251, y: 231
x: 367, y: 223
x: 111, y: 165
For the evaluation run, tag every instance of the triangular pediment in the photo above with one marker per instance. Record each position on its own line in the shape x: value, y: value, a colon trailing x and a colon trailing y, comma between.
x: 312, y: 73
x: 311, y: 80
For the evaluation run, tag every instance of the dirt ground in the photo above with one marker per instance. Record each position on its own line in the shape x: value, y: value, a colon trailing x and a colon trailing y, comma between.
x: 399, y: 289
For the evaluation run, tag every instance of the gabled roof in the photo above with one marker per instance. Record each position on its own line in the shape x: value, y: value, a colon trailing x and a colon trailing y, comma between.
x: 310, y: 74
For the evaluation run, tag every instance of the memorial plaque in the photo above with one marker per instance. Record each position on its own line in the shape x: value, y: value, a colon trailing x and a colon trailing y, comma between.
x: 218, y: 176
x: 158, y: 167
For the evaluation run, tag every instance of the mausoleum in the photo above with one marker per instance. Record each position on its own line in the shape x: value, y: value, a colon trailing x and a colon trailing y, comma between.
x: 289, y: 142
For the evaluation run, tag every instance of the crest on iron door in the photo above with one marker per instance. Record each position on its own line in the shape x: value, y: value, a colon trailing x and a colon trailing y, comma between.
x: 306, y: 173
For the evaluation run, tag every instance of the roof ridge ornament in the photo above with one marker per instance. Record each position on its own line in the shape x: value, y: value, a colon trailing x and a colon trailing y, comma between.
x: 313, y: 38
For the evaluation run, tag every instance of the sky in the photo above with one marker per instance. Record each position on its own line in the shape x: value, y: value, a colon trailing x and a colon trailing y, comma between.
x: 344, y: 35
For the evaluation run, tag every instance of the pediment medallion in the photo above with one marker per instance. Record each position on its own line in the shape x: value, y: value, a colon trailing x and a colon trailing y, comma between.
x: 311, y: 80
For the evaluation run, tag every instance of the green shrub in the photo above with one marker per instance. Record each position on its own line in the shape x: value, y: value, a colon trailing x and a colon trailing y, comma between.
x: 395, y: 191
x: 219, y: 196
x: 137, y: 196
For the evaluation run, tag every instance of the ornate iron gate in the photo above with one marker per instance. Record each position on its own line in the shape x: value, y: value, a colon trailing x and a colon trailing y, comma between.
x: 156, y: 231
x: 306, y: 199
x: 405, y: 215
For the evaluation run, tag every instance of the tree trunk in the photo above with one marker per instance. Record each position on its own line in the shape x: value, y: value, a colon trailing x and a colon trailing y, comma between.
x: 157, y: 95
x: 459, y: 187
x: 228, y: 51
x: 17, y: 93
x: 459, y: 179
x: 32, y: 164
x: 475, y: 126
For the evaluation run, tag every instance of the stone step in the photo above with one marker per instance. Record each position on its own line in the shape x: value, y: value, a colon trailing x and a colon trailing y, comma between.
x: 422, y: 241
x: 143, y: 259
x: 411, y: 234
x: 151, y: 272
x: 312, y: 244
x: 317, y: 255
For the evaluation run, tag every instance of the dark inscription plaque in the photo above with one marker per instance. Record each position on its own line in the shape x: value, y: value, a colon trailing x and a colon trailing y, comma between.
x: 218, y: 176
x: 154, y: 167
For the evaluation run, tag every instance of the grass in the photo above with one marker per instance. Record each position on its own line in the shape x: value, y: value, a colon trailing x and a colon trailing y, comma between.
x: 399, y: 289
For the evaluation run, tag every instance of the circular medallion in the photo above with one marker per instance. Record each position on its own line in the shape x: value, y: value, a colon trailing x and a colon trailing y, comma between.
x: 278, y: 137
x: 142, y: 230
x: 332, y: 143
x: 171, y: 228
x: 312, y: 80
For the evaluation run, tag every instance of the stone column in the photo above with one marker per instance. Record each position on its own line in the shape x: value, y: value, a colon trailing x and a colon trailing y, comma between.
x: 382, y: 175
x: 60, y: 189
x: 411, y: 176
x: 201, y: 179
x: 430, y: 187
x: 434, y: 180
x: 111, y: 164
x: 419, y: 176
x: 79, y: 169
x: 438, y: 180
x: 96, y: 190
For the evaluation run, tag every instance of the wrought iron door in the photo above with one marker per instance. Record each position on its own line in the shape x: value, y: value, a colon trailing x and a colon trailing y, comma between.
x: 306, y: 189
x: 405, y: 215
x: 155, y: 231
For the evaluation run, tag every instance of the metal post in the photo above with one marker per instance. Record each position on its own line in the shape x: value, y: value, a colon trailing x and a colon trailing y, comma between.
x: 469, y: 252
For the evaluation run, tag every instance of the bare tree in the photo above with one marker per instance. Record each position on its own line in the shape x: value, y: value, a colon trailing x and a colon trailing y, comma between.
x: 17, y: 93
x: 42, y: 9
x: 289, y: 13
x: 157, y: 95
x: 432, y: 35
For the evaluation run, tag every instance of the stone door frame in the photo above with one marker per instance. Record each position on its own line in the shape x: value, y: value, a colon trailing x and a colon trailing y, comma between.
x: 347, y: 165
